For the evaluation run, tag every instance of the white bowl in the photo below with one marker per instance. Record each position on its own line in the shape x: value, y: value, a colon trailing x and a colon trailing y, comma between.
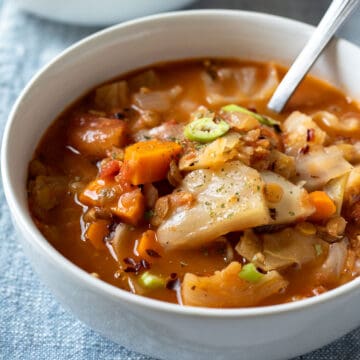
x: 95, y: 12
x: 149, y: 326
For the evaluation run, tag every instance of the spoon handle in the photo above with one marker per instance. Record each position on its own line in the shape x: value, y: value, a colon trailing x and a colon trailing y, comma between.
x: 334, y: 17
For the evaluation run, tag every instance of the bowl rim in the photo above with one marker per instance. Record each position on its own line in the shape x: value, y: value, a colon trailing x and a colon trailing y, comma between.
x: 22, y: 218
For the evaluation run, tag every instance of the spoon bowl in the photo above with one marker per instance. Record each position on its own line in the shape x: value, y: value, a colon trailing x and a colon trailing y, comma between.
x: 338, y: 12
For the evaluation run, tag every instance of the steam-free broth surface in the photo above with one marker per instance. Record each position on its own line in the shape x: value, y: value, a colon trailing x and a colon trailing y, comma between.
x: 126, y: 189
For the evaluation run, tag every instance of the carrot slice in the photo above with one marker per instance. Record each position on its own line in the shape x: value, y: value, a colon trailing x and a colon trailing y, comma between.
x: 90, y: 195
x: 103, y: 192
x: 149, y: 248
x: 324, y: 205
x: 130, y: 207
x: 96, y: 233
x: 149, y: 161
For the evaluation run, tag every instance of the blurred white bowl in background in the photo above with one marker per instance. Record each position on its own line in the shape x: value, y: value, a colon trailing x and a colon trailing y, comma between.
x: 95, y: 12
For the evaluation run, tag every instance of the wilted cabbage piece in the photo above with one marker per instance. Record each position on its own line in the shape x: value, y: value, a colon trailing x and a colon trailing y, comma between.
x: 228, y: 199
x: 282, y: 164
x: 346, y: 126
x: 167, y: 131
x: 352, y: 186
x: 335, y: 188
x: 122, y: 233
x: 250, y: 247
x: 226, y: 289
x: 334, y: 264
x: 319, y: 166
x: 213, y: 154
x: 294, y: 202
x: 289, y: 247
x: 281, y: 249
x: 148, y: 79
x: 233, y: 85
x: 301, y: 131
x: 159, y: 101
x: 112, y: 96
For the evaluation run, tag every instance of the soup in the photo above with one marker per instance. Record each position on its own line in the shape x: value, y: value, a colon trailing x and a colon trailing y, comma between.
x: 175, y: 182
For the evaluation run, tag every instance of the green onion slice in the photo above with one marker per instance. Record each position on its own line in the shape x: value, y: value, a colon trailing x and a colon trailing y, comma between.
x: 151, y: 281
x: 264, y: 120
x: 250, y: 273
x: 206, y: 129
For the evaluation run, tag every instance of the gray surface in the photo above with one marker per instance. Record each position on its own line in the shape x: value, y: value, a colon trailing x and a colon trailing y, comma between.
x: 32, y: 324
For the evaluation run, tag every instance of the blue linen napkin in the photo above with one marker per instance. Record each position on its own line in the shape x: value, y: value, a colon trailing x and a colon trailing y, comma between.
x: 32, y: 324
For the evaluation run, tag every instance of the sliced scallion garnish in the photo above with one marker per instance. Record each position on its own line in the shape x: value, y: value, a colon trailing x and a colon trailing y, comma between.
x: 250, y: 273
x: 151, y: 281
x: 264, y: 120
x: 206, y: 129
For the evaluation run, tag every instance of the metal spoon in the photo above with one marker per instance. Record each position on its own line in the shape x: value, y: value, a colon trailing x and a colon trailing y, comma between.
x: 337, y: 13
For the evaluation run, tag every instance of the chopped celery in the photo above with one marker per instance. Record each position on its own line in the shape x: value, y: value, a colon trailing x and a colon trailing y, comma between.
x: 264, y: 120
x: 151, y: 281
x: 250, y: 273
x: 206, y: 129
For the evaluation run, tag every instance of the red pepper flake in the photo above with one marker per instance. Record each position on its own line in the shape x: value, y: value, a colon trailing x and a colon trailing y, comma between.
x: 129, y: 261
x: 136, y: 267
x: 145, y: 264
x: 173, y: 275
x: 193, y: 287
x: 310, y: 134
x: 152, y: 253
x: 304, y: 150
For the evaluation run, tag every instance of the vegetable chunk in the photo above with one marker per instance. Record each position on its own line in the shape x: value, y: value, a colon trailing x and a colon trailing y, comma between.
x: 229, y: 199
x: 279, y: 250
x: 93, y: 137
x: 148, y: 247
x: 226, y: 289
x: 294, y: 203
x: 112, y: 96
x: 301, y: 131
x: 149, y: 161
x: 130, y: 207
x: 324, y: 206
x: 96, y: 233
x: 318, y: 167
x: 213, y: 154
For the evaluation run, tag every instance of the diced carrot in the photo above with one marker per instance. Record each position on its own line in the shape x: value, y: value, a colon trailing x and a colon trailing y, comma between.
x: 130, y: 207
x: 90, y: 196
x: 149, y: 161
x: 103, y: 192
x: 324, y: 205
x: 95, y: 136
x: 96, y: 233
x: 149, y: 248
x: 111, y: 168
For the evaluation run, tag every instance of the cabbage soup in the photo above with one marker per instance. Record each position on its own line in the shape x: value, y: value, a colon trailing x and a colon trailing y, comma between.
x: 175, y: 182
